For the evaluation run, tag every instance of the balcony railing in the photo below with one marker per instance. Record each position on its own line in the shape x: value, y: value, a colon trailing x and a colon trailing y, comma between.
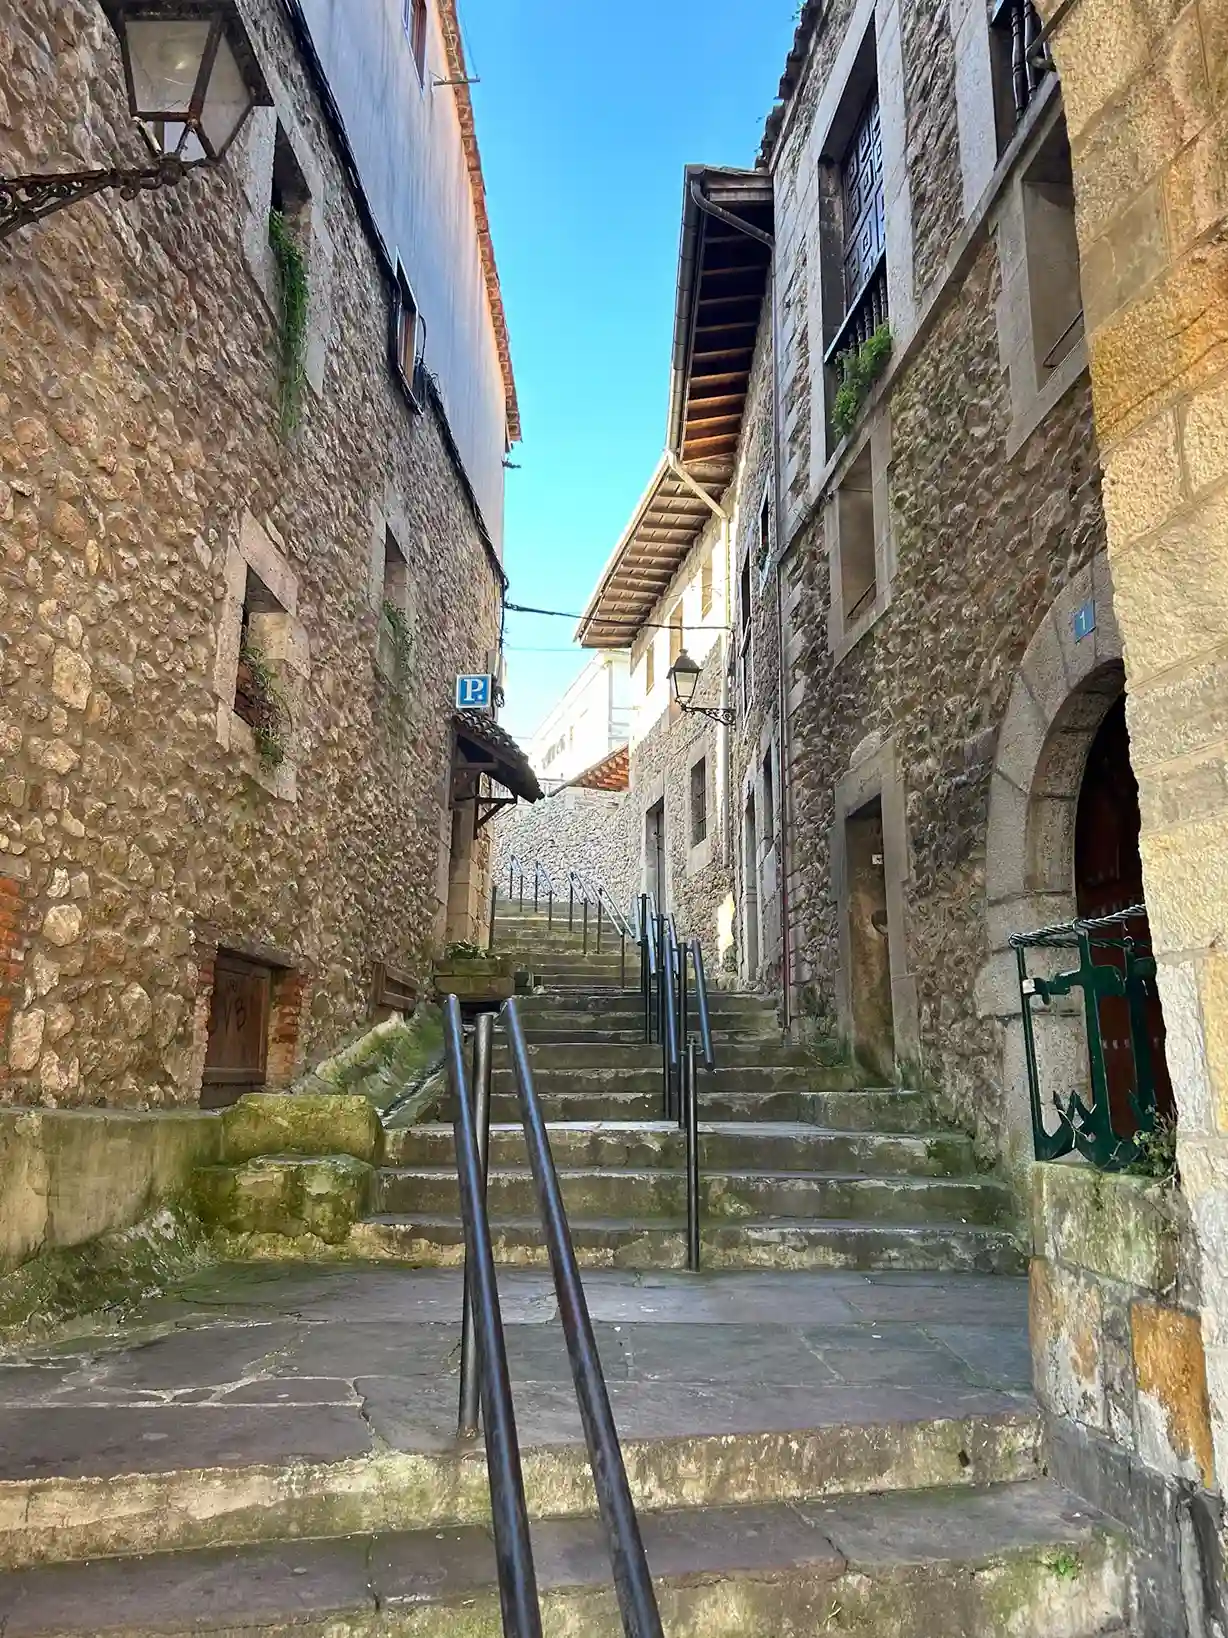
x: 1116, y: 978
x: 865, y: 314
x: 1029, y: 58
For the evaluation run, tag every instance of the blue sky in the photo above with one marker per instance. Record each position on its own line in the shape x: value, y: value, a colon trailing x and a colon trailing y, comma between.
x: 586, y: 115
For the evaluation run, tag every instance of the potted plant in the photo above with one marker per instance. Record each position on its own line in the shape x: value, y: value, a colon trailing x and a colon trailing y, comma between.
x: 475, y: 975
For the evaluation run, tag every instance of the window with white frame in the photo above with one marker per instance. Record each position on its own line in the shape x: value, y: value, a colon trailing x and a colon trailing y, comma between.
x: 407, y: 338
x: 414, y: 20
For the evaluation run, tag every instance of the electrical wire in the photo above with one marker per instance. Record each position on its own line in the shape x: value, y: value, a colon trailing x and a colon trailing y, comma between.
x: 632, y: 625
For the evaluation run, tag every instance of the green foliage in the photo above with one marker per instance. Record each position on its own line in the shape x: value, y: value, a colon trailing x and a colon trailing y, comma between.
x: 1064, y: 1564
x: 292, y: 282
x: 402, y: 643
x: 1157, y: 1153
x: 270, y: 721
x: 860, y: 368
x: 465, y: 952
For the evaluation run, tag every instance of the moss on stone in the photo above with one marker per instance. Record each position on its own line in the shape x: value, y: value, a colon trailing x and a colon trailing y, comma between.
x: 1124, y: 1228
x: 100, y: 1282
x: 301, y: 1124
x: 387, y: 1063
x: 286, y: 1195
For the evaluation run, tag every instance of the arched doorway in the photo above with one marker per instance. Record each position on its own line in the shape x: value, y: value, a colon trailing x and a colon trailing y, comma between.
x: 1062, y: 842
x: 1108, y: 880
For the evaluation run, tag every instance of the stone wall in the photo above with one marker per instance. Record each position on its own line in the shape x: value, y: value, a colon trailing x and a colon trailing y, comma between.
x: 1121, y: 1373
x: 572, y: 829
x: 142, y: 472
x: 935, y: 180
x: 1145, y: 95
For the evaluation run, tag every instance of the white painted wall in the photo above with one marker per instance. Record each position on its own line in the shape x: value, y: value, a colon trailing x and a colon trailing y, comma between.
x: 406, y: 139
x: 592, y: 719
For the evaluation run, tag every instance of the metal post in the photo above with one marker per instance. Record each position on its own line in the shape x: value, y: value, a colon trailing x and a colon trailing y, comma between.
x: 599, y: 924
x: 571, y: 905
x: 622, y: 958
x: 535, y: 881
x: 645, y: 966
x: 494, y: 910
x: 550, y: 908
x: 522, y: 887
x: 586, y: 924
x: 470, y: 1389
x: 684, y: 1035
x: 690, y: 1096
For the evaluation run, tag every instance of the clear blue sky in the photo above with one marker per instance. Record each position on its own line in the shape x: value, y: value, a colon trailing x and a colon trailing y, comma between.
x: 586, y: 115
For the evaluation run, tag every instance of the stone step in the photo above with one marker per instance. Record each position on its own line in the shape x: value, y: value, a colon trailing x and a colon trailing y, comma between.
x: 627, y: 1025
x: 600, y: 1004
x: 965, y: 1563
x: 745, y: 1146
x: 852, y: 1110
x: 652, y: 1195
x: 588, y: 1054
x: 646, y: 1077
x: 438, y: 1242
x: 76, y: 1484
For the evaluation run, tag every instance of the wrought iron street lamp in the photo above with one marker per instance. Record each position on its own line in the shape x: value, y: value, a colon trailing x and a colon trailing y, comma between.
x: 684, y: 679
x: 192, y: 79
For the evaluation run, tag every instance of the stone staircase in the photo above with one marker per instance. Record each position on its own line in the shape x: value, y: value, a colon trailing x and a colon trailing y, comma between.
x: 838, y: 1440
x: 801, y: 1166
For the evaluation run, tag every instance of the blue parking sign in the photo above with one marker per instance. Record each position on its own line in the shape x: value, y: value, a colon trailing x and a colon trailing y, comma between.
x: 474, y: 693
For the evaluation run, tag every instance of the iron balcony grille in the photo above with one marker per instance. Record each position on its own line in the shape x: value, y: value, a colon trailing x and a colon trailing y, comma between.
x: 1029, y: 60
x: 866, y: 313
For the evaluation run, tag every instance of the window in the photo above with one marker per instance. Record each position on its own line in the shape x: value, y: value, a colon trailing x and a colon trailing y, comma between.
x: 414, y: 19
x: 769, y: 801
x: 763, y: 550
x: 257, y: 698
x: 396, y: 573
x: 650, y: 665
x: 705, y: 587
x: 675, y: 634
x: 291, y: 196
x: 1055, y: 297
x: 1018, y: 68
x: 855, y: 525
x: 865, y: 228
x: 745, y: 638
x: 407, y: 337
x: 699, y: 802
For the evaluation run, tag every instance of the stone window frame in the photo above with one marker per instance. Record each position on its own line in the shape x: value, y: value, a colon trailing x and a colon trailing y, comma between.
x: 654, y: 794
x: 873, y: 436
x: 389, y: 522
x: 699, y: 853
x: 412, y: 385
x: 258, y: 549
x: 255, y: 166
x: 839, y: 103
x: 1031, y: 399
x: 1063, y: 690
x: 765, y: 532
x: 874, y: 773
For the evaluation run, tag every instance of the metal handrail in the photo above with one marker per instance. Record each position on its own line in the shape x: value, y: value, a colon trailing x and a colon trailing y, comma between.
x: 668, y: 996
x: 632, y: 1580
x: 701, y: 1002
x: 509, y: 1513
x: 1129, y: 976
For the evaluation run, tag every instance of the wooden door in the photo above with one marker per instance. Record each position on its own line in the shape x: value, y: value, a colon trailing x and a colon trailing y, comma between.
x: 1109, y: 878
x: 237, y: 1053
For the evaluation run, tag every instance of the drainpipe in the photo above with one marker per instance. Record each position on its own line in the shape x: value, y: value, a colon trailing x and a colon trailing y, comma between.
x: 684, y: 477
x: 784, y: 828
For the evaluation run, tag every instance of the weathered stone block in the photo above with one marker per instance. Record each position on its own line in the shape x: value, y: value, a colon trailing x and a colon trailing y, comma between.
x: 1067, y: 1354
x: 1173, y: 1410
x: 322, y: 1196
x: 1122, y: 1228
x: 300, y: 1124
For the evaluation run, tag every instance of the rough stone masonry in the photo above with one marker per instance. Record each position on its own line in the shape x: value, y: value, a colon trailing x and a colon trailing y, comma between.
x: 144, y: 476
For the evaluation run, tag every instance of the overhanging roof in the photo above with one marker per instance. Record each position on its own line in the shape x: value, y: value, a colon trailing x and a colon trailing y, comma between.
x: 612, y: 773
x: 722, y: 279
x: 491, y: 749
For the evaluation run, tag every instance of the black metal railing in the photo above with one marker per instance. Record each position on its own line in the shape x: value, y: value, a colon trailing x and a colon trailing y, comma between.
x: 486, y: 1375
x: 1116, y: 978
x: 866, y: 312
x: 484, y: 1369
x: 671, y: 974
x: 1029, y: 58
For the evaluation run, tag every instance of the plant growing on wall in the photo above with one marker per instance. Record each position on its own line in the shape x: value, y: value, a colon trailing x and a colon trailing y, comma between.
x: 398, y: 630
x: 860, y: 368
x: 262, y: 705
x: 292, y: 282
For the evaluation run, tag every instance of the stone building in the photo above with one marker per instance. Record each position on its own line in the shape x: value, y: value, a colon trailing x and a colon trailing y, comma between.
x: 244, y: 559
x: 586, y: 724
x: 924, y: 652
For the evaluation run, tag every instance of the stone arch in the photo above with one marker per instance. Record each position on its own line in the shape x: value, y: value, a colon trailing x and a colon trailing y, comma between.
x: 1063, y: 690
